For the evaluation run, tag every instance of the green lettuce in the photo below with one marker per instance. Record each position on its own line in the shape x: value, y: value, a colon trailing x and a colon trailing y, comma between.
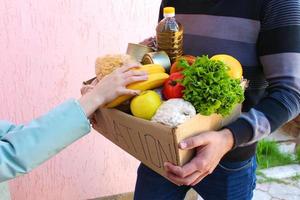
x: 209, y: 87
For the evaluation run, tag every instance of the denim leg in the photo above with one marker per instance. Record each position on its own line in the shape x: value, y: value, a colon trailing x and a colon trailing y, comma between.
x: 230, y: 180
x: 152, y: 186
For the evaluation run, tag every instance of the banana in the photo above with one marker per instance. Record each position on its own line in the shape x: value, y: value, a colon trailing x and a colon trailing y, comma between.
x: 154, y: 81
x: 151, y: 68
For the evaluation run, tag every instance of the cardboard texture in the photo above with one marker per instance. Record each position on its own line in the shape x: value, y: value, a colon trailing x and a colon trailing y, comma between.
x: 154, y: 143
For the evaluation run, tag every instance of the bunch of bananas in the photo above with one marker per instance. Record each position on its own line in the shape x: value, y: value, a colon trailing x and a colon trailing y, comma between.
x: 156, y: 78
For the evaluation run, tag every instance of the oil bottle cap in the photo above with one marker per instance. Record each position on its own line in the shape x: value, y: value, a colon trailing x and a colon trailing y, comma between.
x: 169, y: 11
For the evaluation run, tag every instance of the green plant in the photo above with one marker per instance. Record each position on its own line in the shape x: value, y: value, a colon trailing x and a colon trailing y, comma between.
x: 268, y: 155
x: 298, y: 154
x: 264, y: 179
x: 296, y: 178
x: 209, y: 87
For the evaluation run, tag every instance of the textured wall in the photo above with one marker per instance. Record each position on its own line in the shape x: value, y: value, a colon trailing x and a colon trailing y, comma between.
x: 47, y: 48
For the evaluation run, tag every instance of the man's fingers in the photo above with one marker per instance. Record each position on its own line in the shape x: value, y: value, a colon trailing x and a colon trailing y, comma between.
x: 199, y: 163
x: 183, y: 181
x: 200, y: 178
x: 174, y: 169
x: 190, y: 168
x: 182, y: 172
x: 193, y: 142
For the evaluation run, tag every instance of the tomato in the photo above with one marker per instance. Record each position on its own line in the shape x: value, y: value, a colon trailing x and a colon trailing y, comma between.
x: 176, y: 67
x: 172, y: 87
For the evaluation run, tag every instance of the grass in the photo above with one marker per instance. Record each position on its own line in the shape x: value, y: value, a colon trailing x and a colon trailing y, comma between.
x: 298, y: 154
x: 268, y: 155
x: 296, y: 178
x: 265, y: 179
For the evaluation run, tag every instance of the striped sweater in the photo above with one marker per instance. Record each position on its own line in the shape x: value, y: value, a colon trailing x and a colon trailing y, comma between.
x: 264, y: 35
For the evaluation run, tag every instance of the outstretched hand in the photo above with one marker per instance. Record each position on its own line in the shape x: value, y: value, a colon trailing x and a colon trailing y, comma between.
x: 110, y: 87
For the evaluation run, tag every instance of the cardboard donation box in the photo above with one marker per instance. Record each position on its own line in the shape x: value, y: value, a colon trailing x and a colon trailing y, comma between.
x: 154, y: 143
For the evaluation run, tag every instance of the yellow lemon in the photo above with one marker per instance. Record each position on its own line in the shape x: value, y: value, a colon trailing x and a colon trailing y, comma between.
x: 236, y: 70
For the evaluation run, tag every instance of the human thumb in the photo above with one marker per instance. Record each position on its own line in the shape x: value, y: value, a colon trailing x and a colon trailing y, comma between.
x: 193, y: 142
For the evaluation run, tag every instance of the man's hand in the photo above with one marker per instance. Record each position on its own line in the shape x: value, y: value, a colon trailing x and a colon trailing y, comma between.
x: 210, y: 148
x: 150, y: 42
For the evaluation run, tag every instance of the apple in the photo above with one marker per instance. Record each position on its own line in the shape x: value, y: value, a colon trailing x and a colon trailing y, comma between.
x: 145, y: 104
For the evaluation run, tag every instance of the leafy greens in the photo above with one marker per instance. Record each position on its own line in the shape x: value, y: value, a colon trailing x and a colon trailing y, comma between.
x: 209, y: 87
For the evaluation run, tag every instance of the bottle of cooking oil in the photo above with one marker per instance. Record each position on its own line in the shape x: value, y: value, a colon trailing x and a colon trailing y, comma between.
x: 169, y: 34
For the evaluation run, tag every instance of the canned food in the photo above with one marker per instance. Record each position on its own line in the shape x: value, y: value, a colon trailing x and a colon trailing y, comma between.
x: 159, y: 57
x: 137, y: 51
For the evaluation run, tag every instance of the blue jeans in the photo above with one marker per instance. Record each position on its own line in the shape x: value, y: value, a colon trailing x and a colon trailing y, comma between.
x: 230, y: 180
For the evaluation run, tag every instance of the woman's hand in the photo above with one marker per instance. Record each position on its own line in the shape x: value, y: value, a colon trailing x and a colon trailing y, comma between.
x: 210, y: 148
x: 109, y: 88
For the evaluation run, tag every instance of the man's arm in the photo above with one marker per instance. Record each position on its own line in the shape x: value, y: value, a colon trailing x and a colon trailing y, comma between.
x: 279, y: 51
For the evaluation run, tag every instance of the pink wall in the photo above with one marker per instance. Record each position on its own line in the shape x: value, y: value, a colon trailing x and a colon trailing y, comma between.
x: 47, y: 48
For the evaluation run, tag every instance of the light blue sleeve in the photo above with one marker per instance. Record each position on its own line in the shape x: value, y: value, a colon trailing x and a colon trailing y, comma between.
x: 24, y: 147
